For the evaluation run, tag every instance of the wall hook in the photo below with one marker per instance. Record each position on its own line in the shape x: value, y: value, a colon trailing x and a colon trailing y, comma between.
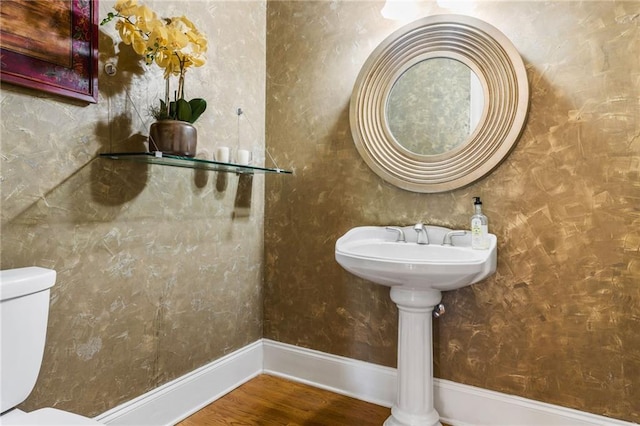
x: 110, y: 69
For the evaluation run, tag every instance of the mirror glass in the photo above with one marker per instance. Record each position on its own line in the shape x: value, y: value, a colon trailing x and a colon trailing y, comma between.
x: 434, y: 106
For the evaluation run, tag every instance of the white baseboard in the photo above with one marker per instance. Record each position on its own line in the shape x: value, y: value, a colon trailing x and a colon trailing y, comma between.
x: 458, y: 404
x: 362, y: 380
x: 176, y: 400
x: 464, y: 405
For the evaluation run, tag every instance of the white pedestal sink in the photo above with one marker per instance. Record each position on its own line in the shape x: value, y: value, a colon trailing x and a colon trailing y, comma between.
x: 417, y: 275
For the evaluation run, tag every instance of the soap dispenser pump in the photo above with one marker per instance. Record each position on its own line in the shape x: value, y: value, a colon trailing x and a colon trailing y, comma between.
x: 479, y: 227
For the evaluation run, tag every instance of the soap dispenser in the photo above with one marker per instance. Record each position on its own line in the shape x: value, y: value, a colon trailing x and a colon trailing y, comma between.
x: 479, y: 227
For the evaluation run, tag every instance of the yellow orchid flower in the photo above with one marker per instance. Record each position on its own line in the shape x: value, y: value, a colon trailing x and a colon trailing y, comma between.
x: 146, y: 19
x: 126, y: 7
x: 139, y: 45
x: 127, y: 31
x: 198, y: 61
x: 177, y: 39
x: 174, y: 44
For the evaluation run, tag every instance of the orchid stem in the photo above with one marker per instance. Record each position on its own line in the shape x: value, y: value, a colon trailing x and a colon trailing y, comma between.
x: 166, y: 96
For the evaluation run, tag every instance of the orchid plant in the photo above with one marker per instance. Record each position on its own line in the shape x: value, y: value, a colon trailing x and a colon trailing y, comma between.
x: 174, y: 44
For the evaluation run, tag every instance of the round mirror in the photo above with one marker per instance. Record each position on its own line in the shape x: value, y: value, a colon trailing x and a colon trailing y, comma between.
x: 439, y: 104
x: 434, y: 106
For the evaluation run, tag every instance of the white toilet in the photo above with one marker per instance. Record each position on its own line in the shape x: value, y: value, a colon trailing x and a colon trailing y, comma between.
x: 24, y: 309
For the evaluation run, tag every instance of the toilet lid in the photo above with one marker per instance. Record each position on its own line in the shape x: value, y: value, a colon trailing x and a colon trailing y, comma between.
x: 48, y: 416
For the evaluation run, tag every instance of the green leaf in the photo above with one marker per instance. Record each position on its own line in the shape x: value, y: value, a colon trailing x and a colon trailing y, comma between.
x: 198, y: 105
x: 183, y: 110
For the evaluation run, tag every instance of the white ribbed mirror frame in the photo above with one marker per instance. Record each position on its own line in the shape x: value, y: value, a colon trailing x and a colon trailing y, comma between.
x: 484, y: 49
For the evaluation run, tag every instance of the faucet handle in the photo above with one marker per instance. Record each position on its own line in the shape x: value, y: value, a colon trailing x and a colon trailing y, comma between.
x: 421, y: 231
x: 400, y: 232
x: 448, y: 238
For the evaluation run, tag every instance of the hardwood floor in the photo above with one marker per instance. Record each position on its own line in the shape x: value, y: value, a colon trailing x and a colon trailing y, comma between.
x: 273, y: 401
x: 270, y: 401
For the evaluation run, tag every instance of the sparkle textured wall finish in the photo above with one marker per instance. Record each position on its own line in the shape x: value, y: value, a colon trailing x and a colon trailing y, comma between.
x: 559, y: 320
x: 159, y: 268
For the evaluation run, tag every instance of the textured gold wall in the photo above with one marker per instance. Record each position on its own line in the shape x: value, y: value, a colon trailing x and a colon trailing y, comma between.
x: 159, y: 269
x: 559, y: 320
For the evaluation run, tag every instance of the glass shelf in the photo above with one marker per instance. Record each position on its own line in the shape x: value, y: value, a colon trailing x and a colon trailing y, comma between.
x: 190, y: 162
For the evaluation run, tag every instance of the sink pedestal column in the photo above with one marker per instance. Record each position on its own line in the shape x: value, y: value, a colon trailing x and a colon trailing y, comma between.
x: 414, y: 401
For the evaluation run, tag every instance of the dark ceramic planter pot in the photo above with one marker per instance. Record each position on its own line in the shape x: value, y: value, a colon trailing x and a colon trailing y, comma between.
x: 173, y: 137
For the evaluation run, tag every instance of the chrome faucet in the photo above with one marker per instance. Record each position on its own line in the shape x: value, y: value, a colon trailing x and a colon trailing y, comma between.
x: 423, y: 238
x: 400, y: 232
x: 448, y: 238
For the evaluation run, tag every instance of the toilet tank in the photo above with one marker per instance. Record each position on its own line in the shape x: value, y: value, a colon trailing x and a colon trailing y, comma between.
x: 24, y: 310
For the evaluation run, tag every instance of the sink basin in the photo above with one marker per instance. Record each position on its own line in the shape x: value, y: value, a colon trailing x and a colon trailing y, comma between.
x: 372, y: 253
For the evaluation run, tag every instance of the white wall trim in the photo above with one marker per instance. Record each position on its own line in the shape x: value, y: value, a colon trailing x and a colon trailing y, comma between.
x: 178, y: 399
x: 362, y: 380
x: 458, y: 404
x: 465, y: 405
